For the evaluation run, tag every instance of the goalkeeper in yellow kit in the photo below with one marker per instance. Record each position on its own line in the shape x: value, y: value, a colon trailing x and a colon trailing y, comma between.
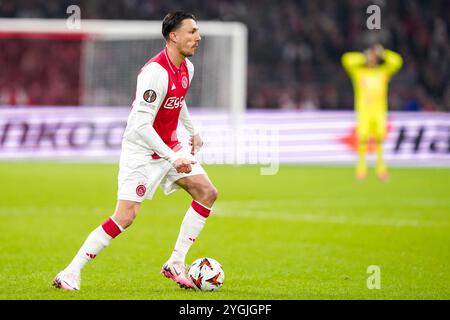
x: 370, y: 72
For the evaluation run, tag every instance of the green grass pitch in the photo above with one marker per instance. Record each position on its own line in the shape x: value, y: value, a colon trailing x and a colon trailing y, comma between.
x: 308, y: 232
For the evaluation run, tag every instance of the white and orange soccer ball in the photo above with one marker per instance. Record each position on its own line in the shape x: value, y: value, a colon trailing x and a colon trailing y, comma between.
x: 206, y: 274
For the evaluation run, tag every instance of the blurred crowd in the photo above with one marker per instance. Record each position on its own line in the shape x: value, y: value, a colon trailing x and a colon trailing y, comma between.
x: 49, y: 72
x: 294, y: 52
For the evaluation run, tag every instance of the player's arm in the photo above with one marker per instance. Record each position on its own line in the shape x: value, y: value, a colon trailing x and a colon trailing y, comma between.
x: 186, y: 120
x: 151, y: 90
x: 351, y: 61
x: 392, y: 61
x: 144, y: 128
x: 195, y: 140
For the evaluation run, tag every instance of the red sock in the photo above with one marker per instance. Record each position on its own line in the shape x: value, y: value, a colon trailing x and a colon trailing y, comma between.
x: 111, y: 228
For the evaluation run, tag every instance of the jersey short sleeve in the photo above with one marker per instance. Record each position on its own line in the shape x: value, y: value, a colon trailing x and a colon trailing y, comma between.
x: 151, y: 88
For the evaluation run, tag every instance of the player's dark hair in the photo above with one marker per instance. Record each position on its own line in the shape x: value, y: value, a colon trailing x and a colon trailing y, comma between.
x: 172, y: 21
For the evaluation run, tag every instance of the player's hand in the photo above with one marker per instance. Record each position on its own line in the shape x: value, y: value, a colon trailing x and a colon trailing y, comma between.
x: 183, y: 165
x: 379, y: 50
x: 196, y: 143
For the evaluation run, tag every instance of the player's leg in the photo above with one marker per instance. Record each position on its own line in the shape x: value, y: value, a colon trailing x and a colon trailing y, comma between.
x: 97, y: 240
x: 100, y: 238
x: 125, y: 213
x: 380, y: 133
x: 362, y: 131
x: 133, y: 181
x: 203, y: 194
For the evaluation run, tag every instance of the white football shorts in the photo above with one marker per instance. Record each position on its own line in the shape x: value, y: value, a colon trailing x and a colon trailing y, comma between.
x: 139, y: 176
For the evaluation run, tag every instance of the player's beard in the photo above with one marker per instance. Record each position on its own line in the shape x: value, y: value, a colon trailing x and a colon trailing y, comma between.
x: 189, y: 53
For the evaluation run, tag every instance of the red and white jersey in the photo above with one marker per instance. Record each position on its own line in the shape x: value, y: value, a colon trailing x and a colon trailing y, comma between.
x: 161, y: 91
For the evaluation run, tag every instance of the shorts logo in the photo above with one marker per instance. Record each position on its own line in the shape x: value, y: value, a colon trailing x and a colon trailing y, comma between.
x: 184, y: 82
x: 149, y: 96
x: 140, y: 190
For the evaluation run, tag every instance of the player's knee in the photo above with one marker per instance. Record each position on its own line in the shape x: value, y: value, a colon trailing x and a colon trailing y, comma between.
x: 206, y: 194
x: 212, y: 193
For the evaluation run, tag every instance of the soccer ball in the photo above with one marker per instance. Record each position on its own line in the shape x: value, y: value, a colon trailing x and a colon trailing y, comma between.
x: 206, y: 274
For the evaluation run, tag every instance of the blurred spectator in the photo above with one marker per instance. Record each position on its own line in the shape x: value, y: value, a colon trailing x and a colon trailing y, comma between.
x: 295, y: 47
x: 48, y: 72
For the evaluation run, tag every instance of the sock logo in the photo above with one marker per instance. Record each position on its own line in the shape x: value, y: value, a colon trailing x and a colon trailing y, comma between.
x: 192, y: 239
x: 140, y: 190
x: 91, y: 255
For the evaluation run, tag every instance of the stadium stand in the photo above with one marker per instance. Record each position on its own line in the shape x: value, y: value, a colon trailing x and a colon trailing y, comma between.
x: 294, y: 56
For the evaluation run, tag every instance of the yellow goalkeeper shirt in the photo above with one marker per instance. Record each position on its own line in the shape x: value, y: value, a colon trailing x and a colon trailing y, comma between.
x: 370, y: 84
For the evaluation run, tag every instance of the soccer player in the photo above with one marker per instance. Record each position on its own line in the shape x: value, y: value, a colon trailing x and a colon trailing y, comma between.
x: 370, y: 73
x: 151, y: 154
